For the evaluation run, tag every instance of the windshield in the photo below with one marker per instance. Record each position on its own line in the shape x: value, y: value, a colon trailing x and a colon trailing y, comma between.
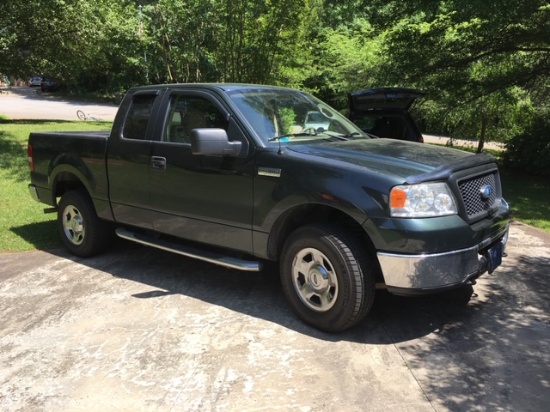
x: 284, y: 115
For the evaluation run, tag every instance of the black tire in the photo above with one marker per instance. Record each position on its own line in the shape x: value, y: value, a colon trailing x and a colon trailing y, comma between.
x: 326, y: 277
x: 82, y: 232
x: 81, y: 115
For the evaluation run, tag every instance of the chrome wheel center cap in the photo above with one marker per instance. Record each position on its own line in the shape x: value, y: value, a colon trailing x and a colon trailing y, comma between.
x: 76, y: 224
x: 318, y: 277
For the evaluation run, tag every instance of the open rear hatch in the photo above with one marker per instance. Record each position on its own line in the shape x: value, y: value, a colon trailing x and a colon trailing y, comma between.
x: 383, y: 98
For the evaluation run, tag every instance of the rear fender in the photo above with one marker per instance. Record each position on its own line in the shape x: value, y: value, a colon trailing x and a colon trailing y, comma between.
x: 66, y: 177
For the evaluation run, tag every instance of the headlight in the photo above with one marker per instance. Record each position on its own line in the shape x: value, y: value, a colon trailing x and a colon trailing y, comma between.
x: 422, y: 200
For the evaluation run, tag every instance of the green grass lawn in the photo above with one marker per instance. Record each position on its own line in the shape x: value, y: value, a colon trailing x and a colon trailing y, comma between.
x: 529, y: 198
x: 24, y: 226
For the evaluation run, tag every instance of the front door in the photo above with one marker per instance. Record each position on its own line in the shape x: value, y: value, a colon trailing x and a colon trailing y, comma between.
x: 201, y: 198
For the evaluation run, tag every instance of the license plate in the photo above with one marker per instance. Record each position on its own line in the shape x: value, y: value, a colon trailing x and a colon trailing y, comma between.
x: 494, y: 255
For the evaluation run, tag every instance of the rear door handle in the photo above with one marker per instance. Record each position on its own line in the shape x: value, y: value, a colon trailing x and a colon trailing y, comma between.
x: 158, y: 163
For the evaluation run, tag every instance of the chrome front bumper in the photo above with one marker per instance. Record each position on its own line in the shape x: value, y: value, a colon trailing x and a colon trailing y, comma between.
x: 412, y: 274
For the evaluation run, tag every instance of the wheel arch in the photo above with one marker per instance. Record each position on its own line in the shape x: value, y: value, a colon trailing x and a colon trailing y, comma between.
x: 306, y: 214
x: 65, y: 180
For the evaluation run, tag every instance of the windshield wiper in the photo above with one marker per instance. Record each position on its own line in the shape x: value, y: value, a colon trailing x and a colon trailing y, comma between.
x: 311, y: 132
x: 340, y: 136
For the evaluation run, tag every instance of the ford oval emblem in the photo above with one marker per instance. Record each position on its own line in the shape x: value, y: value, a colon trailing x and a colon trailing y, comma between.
x: 486, y: 191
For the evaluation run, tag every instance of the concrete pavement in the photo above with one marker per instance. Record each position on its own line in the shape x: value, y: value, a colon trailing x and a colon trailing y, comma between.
x: 141, y: 329
x: 30, y: 103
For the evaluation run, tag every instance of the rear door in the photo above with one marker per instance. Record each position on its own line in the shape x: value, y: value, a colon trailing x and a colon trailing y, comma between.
x: 128, y: 160
x: 201, y: 198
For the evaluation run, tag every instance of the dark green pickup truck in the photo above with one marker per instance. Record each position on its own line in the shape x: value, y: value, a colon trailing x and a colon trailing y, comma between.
x: 238, y: 175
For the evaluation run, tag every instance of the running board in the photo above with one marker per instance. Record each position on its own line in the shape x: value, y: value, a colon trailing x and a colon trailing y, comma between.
x: 200, y: 254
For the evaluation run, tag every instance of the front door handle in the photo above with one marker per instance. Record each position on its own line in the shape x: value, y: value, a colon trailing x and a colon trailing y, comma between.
x: 158, y: 163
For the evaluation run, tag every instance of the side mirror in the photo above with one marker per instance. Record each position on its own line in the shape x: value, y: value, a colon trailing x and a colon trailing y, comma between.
x: 213, y: 142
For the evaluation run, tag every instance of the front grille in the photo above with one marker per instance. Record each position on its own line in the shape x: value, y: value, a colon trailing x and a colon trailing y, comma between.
x: 475, y: 204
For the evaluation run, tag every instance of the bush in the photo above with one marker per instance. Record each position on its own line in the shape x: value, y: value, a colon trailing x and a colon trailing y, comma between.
x: 530, y: 150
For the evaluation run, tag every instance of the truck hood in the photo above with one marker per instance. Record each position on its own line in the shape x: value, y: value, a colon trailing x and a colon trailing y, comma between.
x: 406, y: 160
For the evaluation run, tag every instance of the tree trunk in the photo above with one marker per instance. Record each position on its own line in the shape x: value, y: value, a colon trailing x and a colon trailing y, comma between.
x: 483, y: 132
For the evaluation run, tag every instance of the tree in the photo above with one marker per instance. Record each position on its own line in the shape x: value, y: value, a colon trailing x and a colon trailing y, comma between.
x: 86, y: 43
x: 342, y: 59
x: 259, y: 39
x: 469, y: 55
x: 178, y: 37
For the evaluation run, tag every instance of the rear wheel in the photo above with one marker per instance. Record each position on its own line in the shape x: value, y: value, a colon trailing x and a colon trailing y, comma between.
x: 82, y: 232
x: 326, y: 277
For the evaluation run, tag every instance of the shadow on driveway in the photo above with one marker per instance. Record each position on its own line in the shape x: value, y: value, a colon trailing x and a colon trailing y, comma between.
x: 491, y: 354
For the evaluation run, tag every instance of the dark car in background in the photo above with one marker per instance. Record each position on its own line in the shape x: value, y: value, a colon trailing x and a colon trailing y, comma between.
x: 385, y: 112
x: 49, y: 84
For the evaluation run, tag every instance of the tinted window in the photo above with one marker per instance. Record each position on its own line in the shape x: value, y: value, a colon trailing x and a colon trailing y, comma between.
x: 191, y: 112
x: 137, y: 119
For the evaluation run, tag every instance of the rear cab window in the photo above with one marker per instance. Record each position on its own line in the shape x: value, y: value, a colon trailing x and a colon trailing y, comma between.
x: 138, y: 116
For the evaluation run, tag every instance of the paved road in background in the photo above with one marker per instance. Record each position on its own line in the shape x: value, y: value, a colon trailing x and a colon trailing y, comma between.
x: 142, y: 329
x: 30, y: 103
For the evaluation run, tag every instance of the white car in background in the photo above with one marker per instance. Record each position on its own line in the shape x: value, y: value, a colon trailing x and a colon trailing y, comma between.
x: 35, y: 81
x: 316, y: 120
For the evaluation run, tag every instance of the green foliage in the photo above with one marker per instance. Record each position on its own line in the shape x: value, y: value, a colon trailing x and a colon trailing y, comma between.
x: 344, y: 59
x: 499, y: 116
x: 528, y: 196
x: 209, y: 40
x: 287, y: 118
x: 530, y: 150
x: 481, y: 62
x: 176, y: 36
x: 485, y: 66
x: 258, y: 38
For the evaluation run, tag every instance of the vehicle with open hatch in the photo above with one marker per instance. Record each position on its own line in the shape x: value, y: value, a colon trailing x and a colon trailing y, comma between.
x: 386, y: 112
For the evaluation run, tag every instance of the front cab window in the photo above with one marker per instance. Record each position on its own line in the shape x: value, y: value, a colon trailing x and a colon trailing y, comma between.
x: 191, y: 112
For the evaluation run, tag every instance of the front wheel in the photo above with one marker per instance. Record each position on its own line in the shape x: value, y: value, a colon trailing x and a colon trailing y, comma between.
x: 81, y: 115
x: 326, y: 277
x: 82, y: 232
